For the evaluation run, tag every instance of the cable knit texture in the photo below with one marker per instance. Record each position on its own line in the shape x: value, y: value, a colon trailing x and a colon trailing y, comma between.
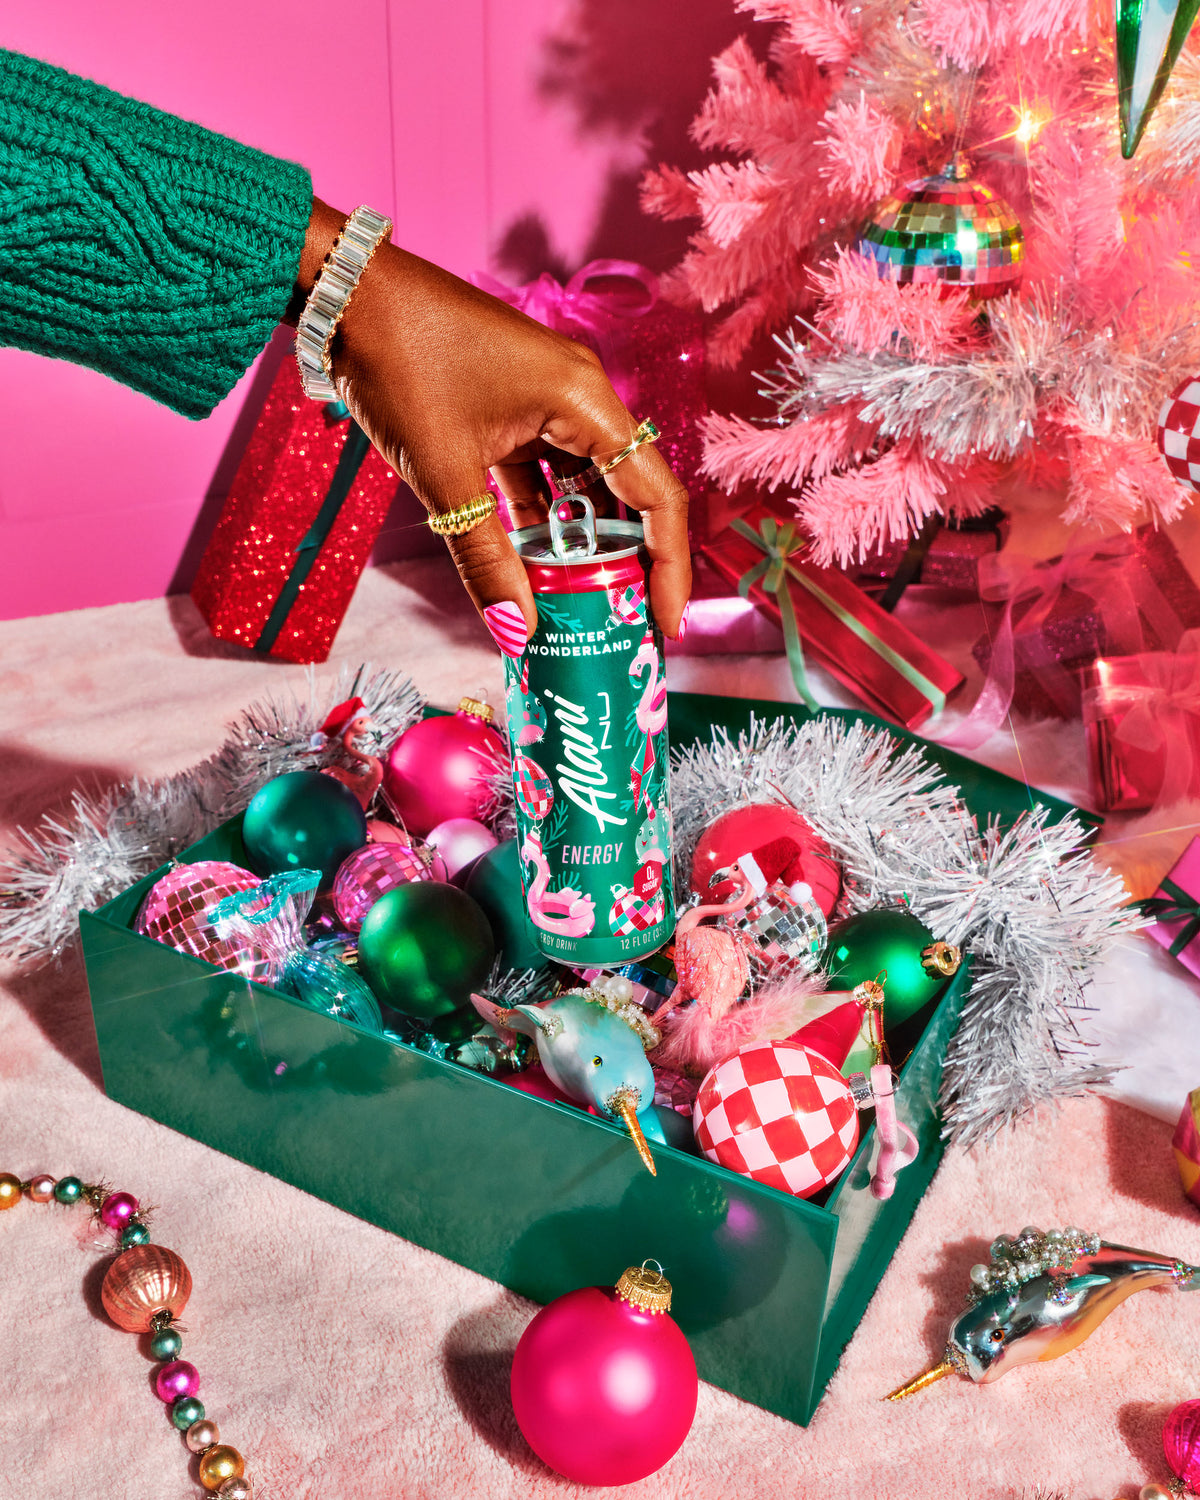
x: 138, y: 243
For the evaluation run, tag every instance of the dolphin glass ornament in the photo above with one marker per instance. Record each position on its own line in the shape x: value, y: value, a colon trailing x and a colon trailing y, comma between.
x: 1040, y: 1296
x: 592, y: 1044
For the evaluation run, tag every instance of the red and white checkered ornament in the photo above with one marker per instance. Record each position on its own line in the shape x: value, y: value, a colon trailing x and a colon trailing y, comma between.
x: 779, y: 1113
x: 629, y: 913
x: 1179, y: 432
x: 535, y: 794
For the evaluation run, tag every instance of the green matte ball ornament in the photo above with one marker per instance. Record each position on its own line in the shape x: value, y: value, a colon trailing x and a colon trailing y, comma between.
x: 68, y: 1190
x: 894, y: 942
x: 495, y: 882
x: 302, y: 821
x: 185, y: 1410
x: 166, y: 1345
x: 424, y: 947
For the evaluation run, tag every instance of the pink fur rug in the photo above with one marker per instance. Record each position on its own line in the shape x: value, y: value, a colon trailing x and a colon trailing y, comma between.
x: 349, y: 1365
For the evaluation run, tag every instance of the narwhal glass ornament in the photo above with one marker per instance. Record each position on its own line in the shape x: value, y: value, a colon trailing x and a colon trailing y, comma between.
x: 592, y: 1044
x: 1040, y: 1296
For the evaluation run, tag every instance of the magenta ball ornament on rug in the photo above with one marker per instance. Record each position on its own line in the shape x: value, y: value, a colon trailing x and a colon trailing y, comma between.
x: 779, y: 1113
x: 176, y: 1378
x: 369, y: 873
x: 175, y: 913
x: 1181, y: 1443
x: 442, y: 767
x: 458, y: 841
x: 603, y: 1382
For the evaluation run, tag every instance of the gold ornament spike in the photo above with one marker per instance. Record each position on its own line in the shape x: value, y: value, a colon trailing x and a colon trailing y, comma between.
x: 930, y: 1377
x: 624, y: 1106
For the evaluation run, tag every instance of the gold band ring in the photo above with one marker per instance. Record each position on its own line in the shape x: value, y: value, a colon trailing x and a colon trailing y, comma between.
x: 575, y: 484
x: 465, y: 517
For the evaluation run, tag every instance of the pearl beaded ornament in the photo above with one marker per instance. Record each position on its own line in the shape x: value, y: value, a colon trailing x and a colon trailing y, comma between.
x: 144, y: 1291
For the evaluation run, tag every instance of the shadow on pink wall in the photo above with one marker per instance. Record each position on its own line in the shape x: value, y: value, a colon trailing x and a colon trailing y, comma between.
x: 514, y: 144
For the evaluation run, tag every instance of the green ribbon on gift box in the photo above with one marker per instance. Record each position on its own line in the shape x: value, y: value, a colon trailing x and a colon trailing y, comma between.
x: 1177, y: 905
x: 350, y: 460
x: 778, y: 541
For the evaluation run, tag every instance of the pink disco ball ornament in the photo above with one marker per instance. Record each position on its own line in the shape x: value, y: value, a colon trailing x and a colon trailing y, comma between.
x: 174, y: 913
x: 603, y: 1381
x: 458, y: 841
x: 370, y: 872
x: 780, y: 1114
x: 443, y: 766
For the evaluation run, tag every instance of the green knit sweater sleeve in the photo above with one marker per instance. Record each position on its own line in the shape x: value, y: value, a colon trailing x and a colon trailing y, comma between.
x: 138, y: 243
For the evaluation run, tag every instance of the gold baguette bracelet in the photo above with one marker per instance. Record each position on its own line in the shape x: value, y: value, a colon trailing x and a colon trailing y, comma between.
x: 361, y: 235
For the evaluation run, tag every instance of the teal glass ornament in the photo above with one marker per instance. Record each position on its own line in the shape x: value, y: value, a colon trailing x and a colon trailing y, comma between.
x: 166, y: 1344
x: 1150, y: 37
x: 424, y: 947
x: 893, y: 942
x: 185, y: 1410
x: 134, y: 1234
x: 495, y: 882
x: 303, y: 820
x: 68, y: 1190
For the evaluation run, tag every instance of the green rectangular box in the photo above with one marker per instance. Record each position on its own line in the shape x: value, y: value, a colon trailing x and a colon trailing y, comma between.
x: 538, y: 1196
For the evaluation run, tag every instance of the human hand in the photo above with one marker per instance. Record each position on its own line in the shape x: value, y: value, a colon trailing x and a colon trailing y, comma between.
x: 448, y: 382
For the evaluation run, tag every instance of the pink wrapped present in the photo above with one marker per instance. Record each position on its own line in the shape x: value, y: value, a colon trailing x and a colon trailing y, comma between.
x: 1141, y: 716
x: 1176, y: 909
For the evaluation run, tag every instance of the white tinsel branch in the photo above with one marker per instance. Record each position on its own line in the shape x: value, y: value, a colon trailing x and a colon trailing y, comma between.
x: 1035, y: 912
x: 109, y: 840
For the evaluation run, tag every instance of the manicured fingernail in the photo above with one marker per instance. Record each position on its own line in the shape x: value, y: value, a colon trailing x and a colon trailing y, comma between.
x: 683, y: 621
x: 507, y: 624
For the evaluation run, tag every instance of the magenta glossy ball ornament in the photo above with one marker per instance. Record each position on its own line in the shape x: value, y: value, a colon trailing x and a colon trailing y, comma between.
x: 177, y: 1378
x: 369, y: 873
x: 1181, y: 1443
x: 458, y: 841
x: 117, y: 1210
x: 603, y: 1381
x: 441, y: 767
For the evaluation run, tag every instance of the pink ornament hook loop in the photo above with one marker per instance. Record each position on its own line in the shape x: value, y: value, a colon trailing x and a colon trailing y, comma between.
x: 898, y: 1145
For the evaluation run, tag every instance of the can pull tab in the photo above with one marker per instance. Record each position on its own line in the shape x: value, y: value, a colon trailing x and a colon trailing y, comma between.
x: 572, y: 535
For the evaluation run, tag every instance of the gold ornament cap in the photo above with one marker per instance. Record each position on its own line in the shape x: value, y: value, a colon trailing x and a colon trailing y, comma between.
x: 645, y: 1287
x: 476, y: 709
x: 941, y: 958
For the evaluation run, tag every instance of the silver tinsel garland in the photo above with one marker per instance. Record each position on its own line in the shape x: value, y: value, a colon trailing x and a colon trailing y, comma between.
x: 111, y: 839
x: 1034, y: 910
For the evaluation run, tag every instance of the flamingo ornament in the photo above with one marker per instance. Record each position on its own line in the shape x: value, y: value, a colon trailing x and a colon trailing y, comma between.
x: 651, y: 712
x: 346, y: 722
x: 566, y: 912
x: 710, y: 961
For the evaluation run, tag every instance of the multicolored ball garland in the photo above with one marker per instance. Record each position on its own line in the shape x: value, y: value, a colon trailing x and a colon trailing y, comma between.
x: 144, y: 1291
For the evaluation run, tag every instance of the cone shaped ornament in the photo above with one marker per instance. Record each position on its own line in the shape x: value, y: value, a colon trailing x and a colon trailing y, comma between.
x: 1150, y: 37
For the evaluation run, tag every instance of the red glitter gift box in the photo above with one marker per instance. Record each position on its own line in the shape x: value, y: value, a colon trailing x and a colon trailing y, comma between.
x: 1141, y: 715
x: 306, y: 505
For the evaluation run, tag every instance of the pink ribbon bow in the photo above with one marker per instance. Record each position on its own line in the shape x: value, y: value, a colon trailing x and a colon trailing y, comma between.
x: 1111, y: 573
x: 594, y: 317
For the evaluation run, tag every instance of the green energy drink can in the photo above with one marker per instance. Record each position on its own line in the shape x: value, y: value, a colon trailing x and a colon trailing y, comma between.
x: 587, y: 717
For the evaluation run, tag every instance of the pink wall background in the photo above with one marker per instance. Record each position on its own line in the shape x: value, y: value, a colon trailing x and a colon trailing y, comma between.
x: 500, y: 134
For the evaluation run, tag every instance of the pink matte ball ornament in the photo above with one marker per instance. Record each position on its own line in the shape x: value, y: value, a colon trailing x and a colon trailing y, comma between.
x: 177, y: 1378
x: 458, y: 841
x: 369, y: 873
x: 117, y: 1210
x: 603, y: 1382
x: 441, y: 767
x: 1181, y: 1443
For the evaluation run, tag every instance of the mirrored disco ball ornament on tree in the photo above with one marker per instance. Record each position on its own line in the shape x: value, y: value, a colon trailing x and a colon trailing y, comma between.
x: 949, y: 229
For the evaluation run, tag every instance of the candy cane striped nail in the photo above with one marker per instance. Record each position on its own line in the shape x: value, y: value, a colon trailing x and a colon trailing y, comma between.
x: 507, y: 624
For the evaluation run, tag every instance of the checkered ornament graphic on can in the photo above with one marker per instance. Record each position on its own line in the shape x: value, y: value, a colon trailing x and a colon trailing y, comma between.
x: 534, y: 790
x: 779, y: 1113
x: 1179, y: 432
x: 628, y: 604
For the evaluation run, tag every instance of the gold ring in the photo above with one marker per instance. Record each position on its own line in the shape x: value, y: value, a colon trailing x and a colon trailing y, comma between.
x: 646, y: 433
x: 575, y: 484
x: 465, y: 517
